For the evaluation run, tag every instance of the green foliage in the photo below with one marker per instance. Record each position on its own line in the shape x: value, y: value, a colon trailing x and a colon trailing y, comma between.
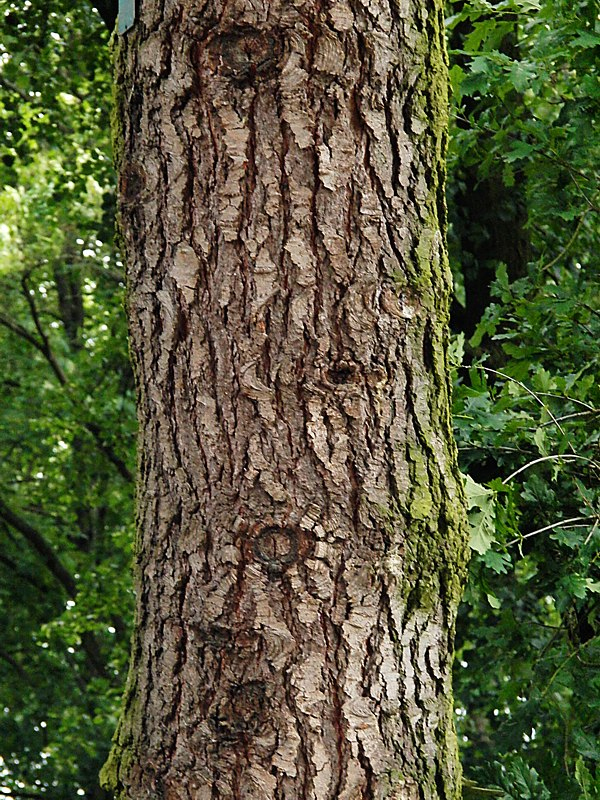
x: 481, y: 504
x: 527, y: 403
x: 536, y: 567
x: 530, y: 103
x: 67, y: 424
x: 589, y: 783
x: 520, y: 781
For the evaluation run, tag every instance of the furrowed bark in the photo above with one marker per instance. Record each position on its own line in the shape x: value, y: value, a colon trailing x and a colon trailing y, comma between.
x: 301, y: 549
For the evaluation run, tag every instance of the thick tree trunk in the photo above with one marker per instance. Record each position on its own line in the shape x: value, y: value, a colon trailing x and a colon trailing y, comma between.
x: 301, y: 550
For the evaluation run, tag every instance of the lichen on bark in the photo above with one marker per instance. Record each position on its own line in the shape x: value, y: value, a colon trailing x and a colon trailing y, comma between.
x: 301, y: 546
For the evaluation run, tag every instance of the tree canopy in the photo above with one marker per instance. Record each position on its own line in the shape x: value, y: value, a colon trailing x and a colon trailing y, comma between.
x: 523, y: 220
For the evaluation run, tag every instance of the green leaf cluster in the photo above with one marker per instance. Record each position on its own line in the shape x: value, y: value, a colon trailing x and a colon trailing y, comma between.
x: 67, y: 423
x: 527, y: 400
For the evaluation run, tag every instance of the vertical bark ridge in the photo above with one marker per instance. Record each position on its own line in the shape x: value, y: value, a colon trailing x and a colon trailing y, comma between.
x: 300, y: 550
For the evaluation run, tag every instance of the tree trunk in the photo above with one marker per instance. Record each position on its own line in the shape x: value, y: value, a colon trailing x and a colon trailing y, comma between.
x: 301, y: 548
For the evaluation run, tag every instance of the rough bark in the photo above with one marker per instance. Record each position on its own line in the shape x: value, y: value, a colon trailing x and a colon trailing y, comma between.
x: 300, y: 550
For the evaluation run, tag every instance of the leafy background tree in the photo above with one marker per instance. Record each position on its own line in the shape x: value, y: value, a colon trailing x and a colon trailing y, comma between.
x: 67, y: 416
x: 525, y: 144
x: 523, y: 208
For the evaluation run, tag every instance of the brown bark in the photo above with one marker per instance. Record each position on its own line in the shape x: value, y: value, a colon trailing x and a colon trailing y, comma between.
x: 300, y: 550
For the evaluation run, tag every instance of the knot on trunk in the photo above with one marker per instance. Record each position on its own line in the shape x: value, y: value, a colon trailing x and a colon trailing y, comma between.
x: 277, y: 548
x: 132, y: 184
x: 241, y: 713
x: 343, y: 372
x: 246, y: 55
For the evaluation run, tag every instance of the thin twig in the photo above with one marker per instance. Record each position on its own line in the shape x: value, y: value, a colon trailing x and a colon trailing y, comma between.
x: 570, y: 400
x: 564, y: 456
x: 591, y: 533
x: 529, y: 391
x: 566, y: 416
x: 487, y: 448
x: 574, y: 654
x: 560, y: 524
x: 47, y: 347
x: 569, y: 244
